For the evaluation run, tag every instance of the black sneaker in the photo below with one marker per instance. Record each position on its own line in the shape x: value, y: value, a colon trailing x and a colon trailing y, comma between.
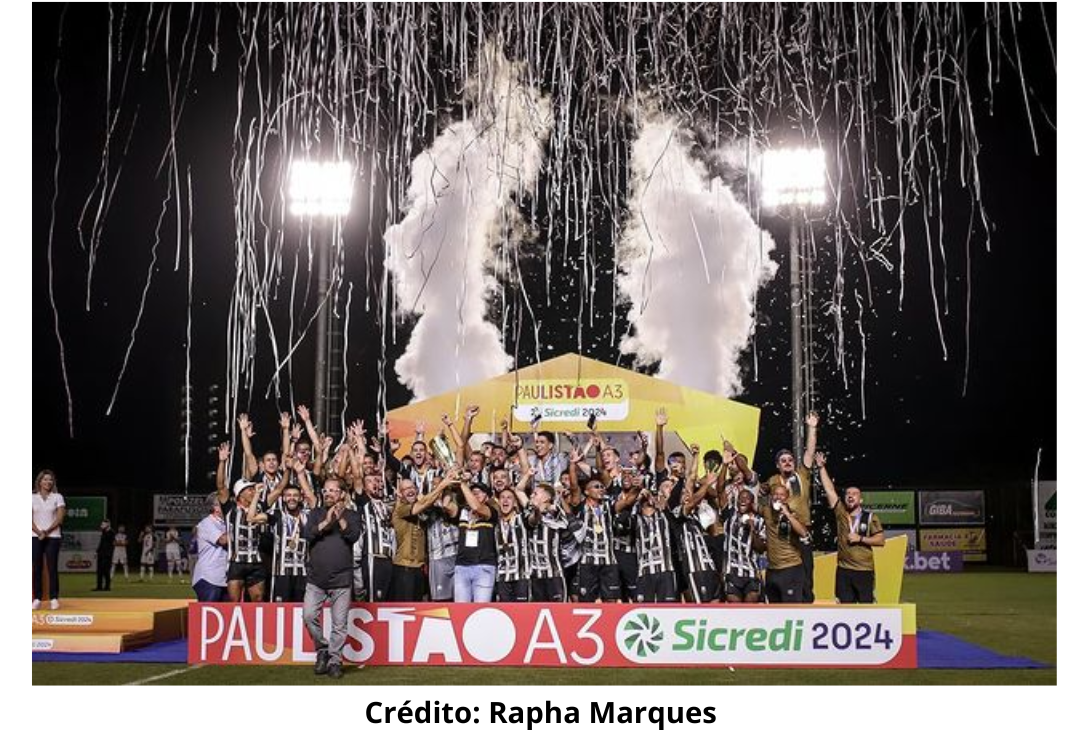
x: 335, y: 671
x: 321, y: 666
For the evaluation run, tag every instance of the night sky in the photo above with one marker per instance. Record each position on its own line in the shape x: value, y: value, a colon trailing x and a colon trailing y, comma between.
x: 918, y: 430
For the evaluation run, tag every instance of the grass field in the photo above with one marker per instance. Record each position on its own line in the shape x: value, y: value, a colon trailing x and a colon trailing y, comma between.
x: 1012, y: 613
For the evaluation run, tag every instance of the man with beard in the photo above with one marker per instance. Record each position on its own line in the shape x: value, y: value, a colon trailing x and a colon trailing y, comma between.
x: 289, y: 553
x: 330, y: 532
x: 797, y: 480
x: 858, y: 532
x: 592, y: 523
x: 511, y: 539
x: 746, y: 536
x: 376, y: 543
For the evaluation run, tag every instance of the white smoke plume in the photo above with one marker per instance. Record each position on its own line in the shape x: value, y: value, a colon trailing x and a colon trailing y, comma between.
x: 691, y: 261
x: 460, y: 206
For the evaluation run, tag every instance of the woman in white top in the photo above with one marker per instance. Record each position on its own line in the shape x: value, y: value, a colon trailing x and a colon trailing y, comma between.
x: 48, y: 513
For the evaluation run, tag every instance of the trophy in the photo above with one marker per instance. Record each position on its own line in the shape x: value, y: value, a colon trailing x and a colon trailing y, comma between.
x: 444, y: 455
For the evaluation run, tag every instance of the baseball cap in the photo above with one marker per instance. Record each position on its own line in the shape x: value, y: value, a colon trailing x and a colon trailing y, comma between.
x: 240, y: 485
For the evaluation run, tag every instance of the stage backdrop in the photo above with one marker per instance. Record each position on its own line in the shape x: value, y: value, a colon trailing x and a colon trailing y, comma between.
x: 567, y: 389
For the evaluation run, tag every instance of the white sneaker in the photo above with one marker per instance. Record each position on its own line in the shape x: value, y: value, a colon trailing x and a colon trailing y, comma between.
x: 54, y: 605
x: 35, y: 605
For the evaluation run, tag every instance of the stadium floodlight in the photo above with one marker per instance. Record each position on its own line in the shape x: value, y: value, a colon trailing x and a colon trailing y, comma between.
x: 320, y: 189
x: 792, y: 180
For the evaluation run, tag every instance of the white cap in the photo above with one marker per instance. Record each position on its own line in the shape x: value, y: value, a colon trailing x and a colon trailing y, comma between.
x: 242, y: 484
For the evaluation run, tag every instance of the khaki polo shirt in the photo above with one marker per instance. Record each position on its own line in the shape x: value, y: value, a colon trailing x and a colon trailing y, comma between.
x: 411, y: 537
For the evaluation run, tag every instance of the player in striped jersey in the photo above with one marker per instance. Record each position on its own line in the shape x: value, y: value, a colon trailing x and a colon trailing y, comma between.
x: 289, y: 551
x: 511, y: 539
x: 546, y: 523
x: 244, y: 572
x: 622, y: 493
x: 696, y: 561
x: 746, y: 536
x: 592, y: 524
x: 376, y: 541
x: 653, y: 547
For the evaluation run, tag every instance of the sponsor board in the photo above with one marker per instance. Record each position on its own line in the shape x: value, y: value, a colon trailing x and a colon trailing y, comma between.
x: 179, y: 509
x: 943, y: 562
x: 76, y: 561
x: 911, y: 535
x: 1047, y: 512
x: 893, y: 508
x: 1043, y: 561
x: 970, y: 541
x: 564, y: 635
x: 570, y: 400
x: 951, y: 508
x: 84, y: 513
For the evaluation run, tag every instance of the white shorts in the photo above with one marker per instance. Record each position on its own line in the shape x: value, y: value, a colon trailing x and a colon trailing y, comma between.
x: 147, y: 557
x: 173, y: 552
x: 120, y: 556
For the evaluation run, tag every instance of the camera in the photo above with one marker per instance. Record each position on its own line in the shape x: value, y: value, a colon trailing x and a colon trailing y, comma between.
x: 784, y: 527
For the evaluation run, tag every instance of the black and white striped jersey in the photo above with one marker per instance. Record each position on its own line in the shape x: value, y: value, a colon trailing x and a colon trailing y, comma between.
x: 623, y: 523
x: 378, y: 537
x: 512, y: 548
x: 740, y: 558
x: 242, y: 537
x: 442, y: 534
x: 695, y: 556
x: 289, y: 551
x: 544, y: 542
x: 653, y: 543
x: 593, y: 527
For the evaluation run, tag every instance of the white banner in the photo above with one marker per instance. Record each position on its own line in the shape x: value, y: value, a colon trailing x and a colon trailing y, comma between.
x: 1043, y: 561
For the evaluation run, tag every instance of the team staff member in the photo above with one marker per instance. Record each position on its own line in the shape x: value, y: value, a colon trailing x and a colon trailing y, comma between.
x: 407, y: 581
x: 48, y: 512
x: 102, y: 556
x: 858, y: 532
x: 785, y: 577
x: 209, y: 574
x: 246, y: 573
x: 474, y: 569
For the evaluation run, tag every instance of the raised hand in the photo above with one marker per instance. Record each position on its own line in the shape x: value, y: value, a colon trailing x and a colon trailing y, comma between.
x: 304, y: 412
x: 727, y: 447
x: 394, y: 444
x: 819, y: 459
x: 296, y: 432
x: 421, y: 427
x: 471, y: 412
x: 695, y: 449
x: 289, y: 463
x: 244, y: 425
x: 326, y: 444
x: 376, y: 445
x: 285, y: 421
x: 812, y: 419
x: 660, y: 418
x: 224, y: 451
x: 446, y: 420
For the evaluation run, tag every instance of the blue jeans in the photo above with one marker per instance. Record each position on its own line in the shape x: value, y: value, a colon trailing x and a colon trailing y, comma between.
x: 474, y: 583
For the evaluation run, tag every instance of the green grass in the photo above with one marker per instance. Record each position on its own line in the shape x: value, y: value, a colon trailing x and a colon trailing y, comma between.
x: 79, y: 585
x: 1012, y: 613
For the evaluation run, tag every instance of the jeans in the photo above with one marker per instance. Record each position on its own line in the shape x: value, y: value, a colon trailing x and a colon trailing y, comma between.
x: 340, y: 600
x: 47, y: 550
x: 209, y: 592
x: 474, y: 583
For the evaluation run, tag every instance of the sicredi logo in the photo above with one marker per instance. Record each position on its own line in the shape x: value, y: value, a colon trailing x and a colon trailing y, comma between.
x: 69, y: 619
x: 769, y: 636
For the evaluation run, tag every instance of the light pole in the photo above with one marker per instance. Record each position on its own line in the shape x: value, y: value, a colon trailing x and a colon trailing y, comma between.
x: 323, y: 191
x: 791, y: 182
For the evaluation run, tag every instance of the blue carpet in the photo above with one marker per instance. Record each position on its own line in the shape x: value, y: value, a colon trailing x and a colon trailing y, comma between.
x: 936, y: 651
x: 165, y: 652
x: 944, y: 651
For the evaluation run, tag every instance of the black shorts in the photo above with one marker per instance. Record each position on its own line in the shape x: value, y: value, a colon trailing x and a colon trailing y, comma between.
x: 598, y: 581
x: 288, y: 588
x: 408, y: 585
x: 552, y: 590
x: 742, y: 586
x: 571, y: 577
x: 628, y: 565
x: 854, y: 586
x: 703, y: 586
x: 249, y: 573
x: 512, y: 591
x: 786, y: 585
x: 377, y: 574
x: 657, y: 588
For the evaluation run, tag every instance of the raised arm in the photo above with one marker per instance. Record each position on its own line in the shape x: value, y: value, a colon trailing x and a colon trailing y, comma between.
x: 311, y: 432
x: 449, y: 431
x: 303, y: 478
x: 826, y: 481
x: 285, y: 434
x: 281, y: 485
x: 811, y: 422
x: 221, y: 473
x: 437, y: 493
x: 478, y: 507
x: 660, y: 422
x: 254, y: 515
x: 245, y: 433
x: 466, y: 431
x: 321, y: 453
